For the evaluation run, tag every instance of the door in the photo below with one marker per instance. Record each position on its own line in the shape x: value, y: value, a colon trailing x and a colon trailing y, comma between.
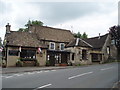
x: 52, y: 59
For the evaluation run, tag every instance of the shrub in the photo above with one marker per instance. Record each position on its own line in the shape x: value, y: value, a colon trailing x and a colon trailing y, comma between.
x: 4, y: 64
x: 19, y: 63
x: 47, y: 63
x: 37, y: 63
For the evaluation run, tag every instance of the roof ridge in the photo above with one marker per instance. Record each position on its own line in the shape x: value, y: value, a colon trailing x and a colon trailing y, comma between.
x: 97, y: 36
x: 56, y: 28
x: 86, y: 43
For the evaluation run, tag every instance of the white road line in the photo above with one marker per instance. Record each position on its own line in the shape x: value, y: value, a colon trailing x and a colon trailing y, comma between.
x: 106, y: 68
x: 80, y: 75
x: 31, y: 73
x: 53, y: 70
x: 39, y: 72
x: 9, y: 77
x: 18, y: 74
x: 46, y: 71
x: 44, y: 86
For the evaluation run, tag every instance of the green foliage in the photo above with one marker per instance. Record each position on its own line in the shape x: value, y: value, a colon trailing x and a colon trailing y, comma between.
x: 36, y: 22
x: 0, y: 42
x: 84, y: 35
x: 19, y: 63
x: 47, y: 63
x: 78, y: 35
x: 37, y: 63
x: 115, y: 33
x: 3, y: 63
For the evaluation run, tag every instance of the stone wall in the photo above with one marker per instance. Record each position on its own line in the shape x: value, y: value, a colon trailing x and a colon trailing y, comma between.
x: 113, y: 51
x: 11, y: 60
x: 78, y: 55
x: 41, y: 57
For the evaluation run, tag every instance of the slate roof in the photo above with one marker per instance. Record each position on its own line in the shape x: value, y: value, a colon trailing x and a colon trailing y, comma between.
x: 53, y: 34
x: 79, y: 43
x: 16, y: 38
x: 32, y: 39
x: 97, y: 42
x: 94, y: 42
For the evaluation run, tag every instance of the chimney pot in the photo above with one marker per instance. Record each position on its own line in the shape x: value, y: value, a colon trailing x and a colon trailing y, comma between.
x: 99, y: 36
x: 8, y: 28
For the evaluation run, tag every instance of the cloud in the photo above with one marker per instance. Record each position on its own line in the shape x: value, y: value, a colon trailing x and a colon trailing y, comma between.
x: 84, y: 16
x: 93, y: 24
x: 54, y: 13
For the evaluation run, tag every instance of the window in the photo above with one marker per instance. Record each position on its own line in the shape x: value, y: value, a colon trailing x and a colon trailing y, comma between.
x: 52, y: 46
x: 13, y: 52
x: 62, y: 45
x: 108, y: 50
x: 94, y: 56
x: 28, y: 54
x: 73, y: 56
x: 84, y: 54
x: 113, y: 42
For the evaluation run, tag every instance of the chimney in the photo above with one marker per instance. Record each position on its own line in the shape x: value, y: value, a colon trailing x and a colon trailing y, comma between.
x: 8, y: 28
x: 99, y: 36
x: 31, y: 29
x: 77, y: 41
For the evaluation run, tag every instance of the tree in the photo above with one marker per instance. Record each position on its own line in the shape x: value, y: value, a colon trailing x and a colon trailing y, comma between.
x: 84, y: 35
x: 115, y: 33
x: 0, y: 42
x: 36, y: 22
x: 78, y: 35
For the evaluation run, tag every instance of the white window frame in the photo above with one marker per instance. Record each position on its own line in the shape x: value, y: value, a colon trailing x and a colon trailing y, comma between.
x: 50, y: 45
x: 60, y: 45
x: 108, y: 50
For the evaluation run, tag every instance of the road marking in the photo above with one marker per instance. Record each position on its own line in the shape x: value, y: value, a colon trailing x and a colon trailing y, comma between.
x: 46, y: 71
x: 9, y: 77
x: 80, y: 75
x: 106, y: 68
x: 31, y: 72
x: 53, y: 70
x: 44, y: 86
x: 39, y: 72
x: 18, y: 74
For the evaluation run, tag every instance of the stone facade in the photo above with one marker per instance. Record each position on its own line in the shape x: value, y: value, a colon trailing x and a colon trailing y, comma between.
x: 11, y: 60
x: 77, y: 58
x: 101, y: 53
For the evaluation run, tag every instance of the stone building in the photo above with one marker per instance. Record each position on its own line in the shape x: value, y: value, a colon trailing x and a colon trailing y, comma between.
x: 41, y: 44
x: 96, y: 49
x: 53, y: 46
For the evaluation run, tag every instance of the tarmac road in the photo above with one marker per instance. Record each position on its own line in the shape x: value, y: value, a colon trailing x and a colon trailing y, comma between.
x: 93, y: 76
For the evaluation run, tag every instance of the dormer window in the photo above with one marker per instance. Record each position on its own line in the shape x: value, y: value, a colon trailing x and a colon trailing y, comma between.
x: 52, y: 46
x: 62, y: 46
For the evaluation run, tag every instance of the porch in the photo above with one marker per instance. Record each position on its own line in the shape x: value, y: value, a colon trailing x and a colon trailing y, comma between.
x: 96, y: 57
x: 57, y: 58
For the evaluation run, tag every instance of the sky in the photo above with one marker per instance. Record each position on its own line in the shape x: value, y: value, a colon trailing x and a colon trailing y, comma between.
x: 90, y: 16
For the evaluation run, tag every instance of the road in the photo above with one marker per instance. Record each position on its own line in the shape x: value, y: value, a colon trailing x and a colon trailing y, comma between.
x: 92, y: 76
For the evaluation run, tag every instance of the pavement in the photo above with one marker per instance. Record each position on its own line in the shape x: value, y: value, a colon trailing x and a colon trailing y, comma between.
x: 92, y: 76
x: 31, y: 69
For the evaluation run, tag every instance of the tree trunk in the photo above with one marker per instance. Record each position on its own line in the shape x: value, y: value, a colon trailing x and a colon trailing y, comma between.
x: 118, y: 53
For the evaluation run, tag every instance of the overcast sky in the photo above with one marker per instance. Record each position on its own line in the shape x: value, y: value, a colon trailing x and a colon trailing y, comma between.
x: 92, y: 17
